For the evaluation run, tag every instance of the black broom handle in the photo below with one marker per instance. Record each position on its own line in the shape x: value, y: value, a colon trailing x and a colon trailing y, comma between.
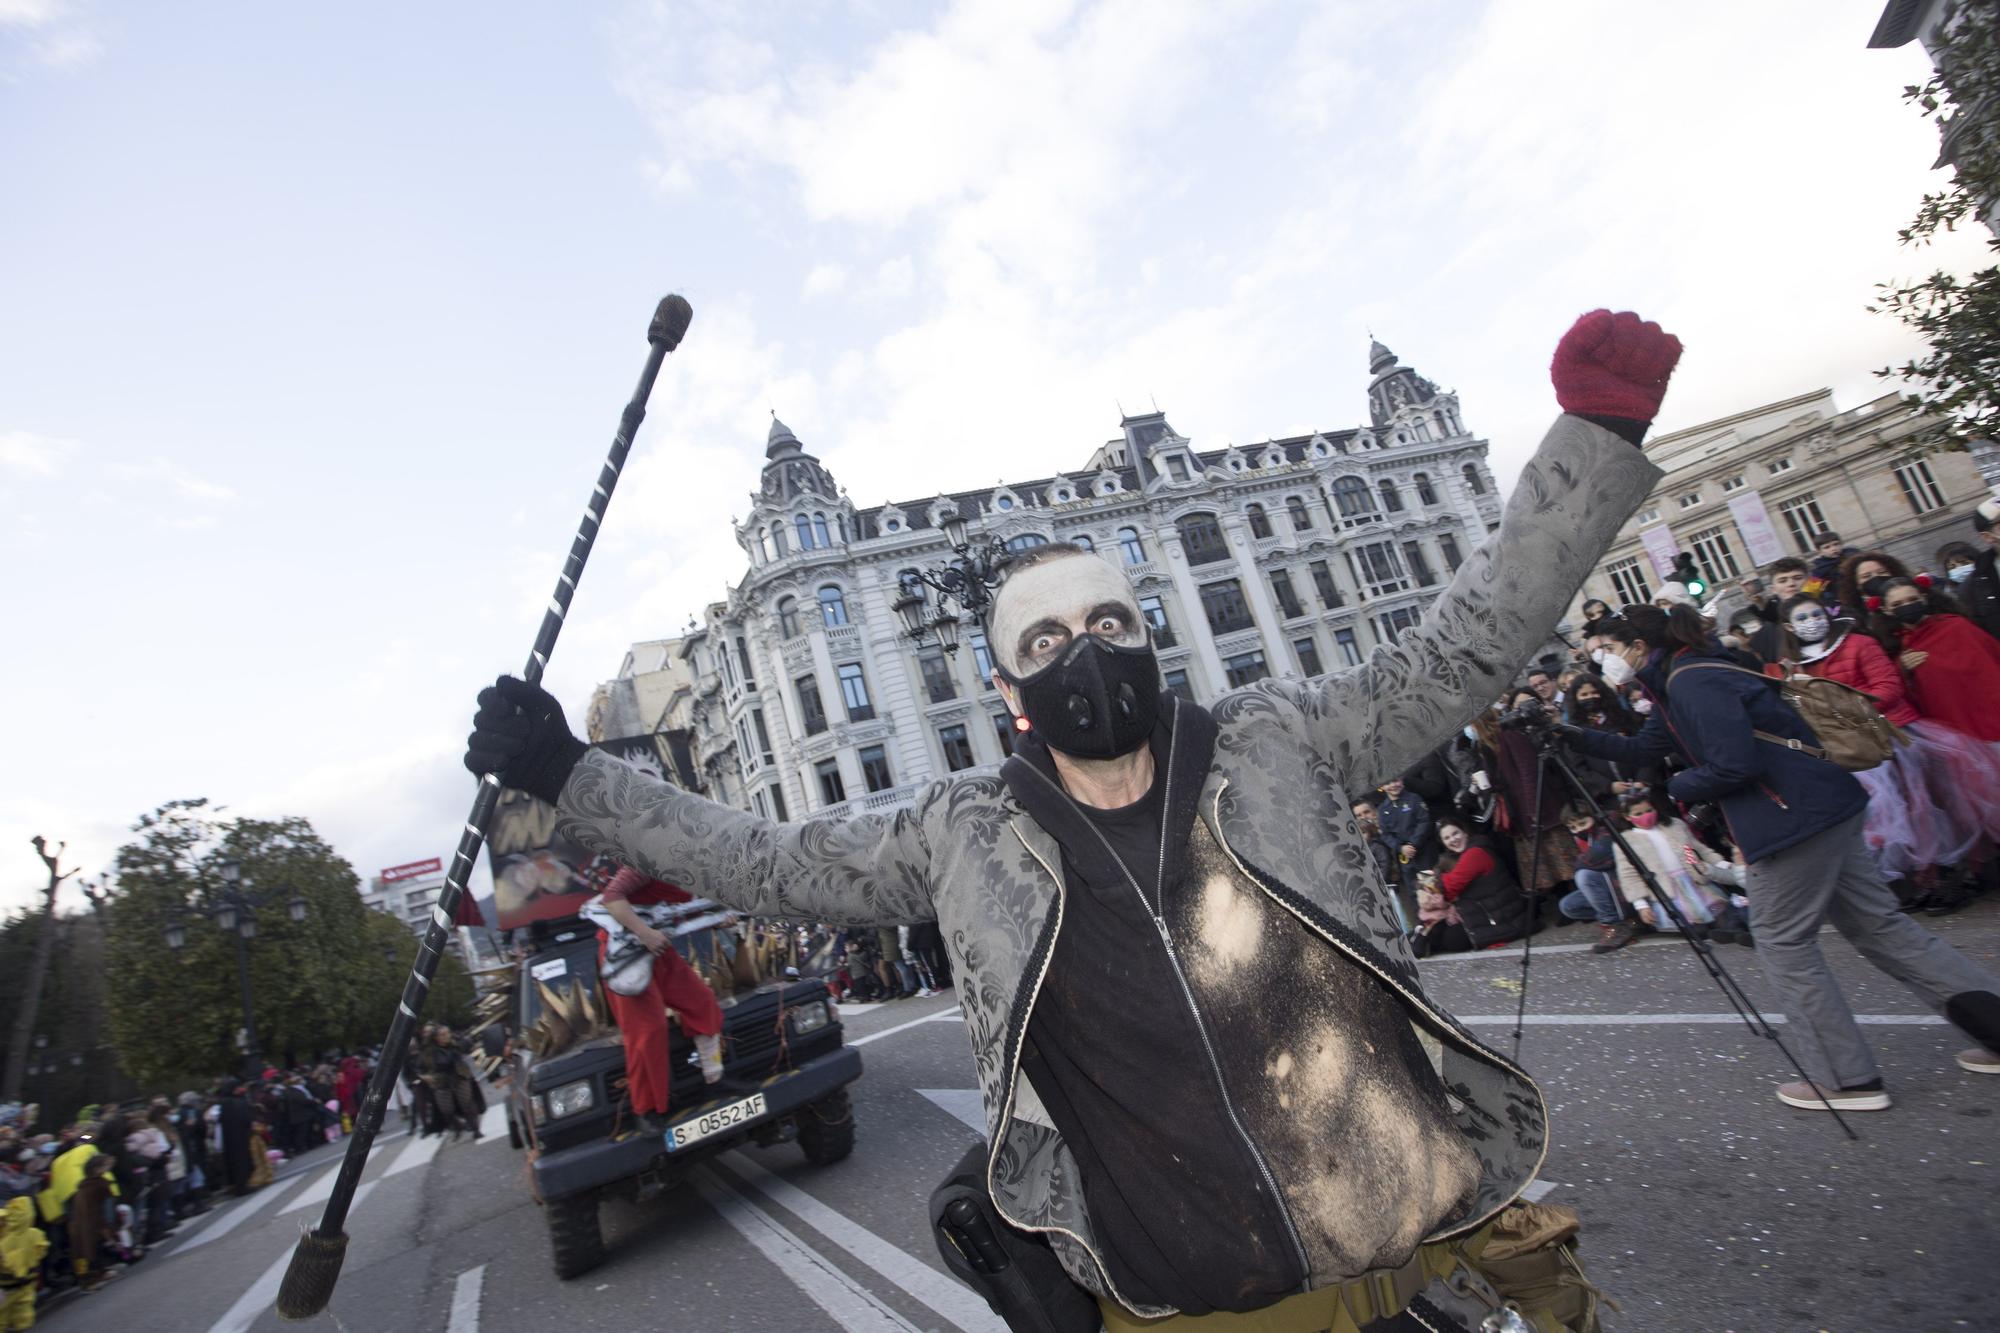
x: 308, y: 1285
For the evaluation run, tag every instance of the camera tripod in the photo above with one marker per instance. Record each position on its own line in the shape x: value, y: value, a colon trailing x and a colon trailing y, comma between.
x: 1546, y: 737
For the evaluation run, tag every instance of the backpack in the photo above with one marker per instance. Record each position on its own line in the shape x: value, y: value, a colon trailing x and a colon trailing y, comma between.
x: 1851, y: 729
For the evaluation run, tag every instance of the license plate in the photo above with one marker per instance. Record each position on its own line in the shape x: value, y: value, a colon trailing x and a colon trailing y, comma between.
x: 710, y: 1123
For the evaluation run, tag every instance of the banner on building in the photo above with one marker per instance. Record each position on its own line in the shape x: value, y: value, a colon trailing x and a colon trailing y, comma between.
x: 1661, y: 546
x: 411, y: 870
x: 1760, y: 535
x: 539, y: 875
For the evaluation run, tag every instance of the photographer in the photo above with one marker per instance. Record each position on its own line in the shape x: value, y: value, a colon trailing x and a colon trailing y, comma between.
x: 1797, y: 819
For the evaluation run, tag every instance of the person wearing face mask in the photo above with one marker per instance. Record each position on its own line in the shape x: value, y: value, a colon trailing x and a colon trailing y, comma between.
x: 1922, y: 817
x: 1954, y: 667
x: 1975, y: 582
x: 1862, y: 581
x: 1597, y: 706
x: 1663, y: 844
x: 1798, y: 820
x: 1170, y: 942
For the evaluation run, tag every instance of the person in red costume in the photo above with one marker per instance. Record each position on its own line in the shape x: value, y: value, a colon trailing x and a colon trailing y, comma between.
x: 642, y: 1018
x: 1925, y: 810
x: 1954, y: 668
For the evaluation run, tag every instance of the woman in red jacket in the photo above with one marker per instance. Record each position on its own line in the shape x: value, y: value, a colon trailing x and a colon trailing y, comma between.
x: 1954, y: 668
x: 1923, y: 809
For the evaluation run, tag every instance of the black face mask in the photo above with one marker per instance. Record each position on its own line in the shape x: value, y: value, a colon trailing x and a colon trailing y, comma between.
x: 1874, y: 586
x: 1910, y: 612
x: 1095, y: 701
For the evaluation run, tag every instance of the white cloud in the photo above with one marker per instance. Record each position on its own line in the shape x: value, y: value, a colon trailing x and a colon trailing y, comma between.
x: 30, y: 13
x: 825, y: 280
x: 39, y: 455
x: 183, y: 483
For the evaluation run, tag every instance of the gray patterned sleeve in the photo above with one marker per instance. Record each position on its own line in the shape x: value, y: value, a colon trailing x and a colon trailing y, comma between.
x: 872, y: 869
x: 1374, y: 721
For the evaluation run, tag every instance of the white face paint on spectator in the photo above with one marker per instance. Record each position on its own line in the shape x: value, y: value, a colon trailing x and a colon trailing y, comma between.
x: 1041, y: 610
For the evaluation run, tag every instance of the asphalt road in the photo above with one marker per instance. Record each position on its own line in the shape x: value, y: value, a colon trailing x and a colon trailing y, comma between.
x: 1707, y: 1205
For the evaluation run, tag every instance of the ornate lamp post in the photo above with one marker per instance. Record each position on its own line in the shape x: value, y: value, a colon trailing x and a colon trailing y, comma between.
x: 235, y: 912
x: 965, y: 582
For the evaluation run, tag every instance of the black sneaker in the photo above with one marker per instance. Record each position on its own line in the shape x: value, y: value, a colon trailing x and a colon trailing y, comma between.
x: 1611, y: 938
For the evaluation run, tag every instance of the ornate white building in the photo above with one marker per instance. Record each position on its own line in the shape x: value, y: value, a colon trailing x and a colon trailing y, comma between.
x: 1289, y: 557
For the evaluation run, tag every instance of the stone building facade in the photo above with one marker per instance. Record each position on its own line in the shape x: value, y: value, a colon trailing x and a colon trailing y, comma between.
x: 1288, y: 557
x: 1869, y: 473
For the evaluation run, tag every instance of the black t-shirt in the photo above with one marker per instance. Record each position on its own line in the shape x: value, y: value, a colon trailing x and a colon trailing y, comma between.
x: 1119, y: 1062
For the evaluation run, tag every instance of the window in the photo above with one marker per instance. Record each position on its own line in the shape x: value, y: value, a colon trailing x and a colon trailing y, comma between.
x: 1356, y: 505
x: 1649, y: 516
x: 1295, y: 509
x: 832, y: 607
x: 1426, y: 493
x: 1083, y: 539
x: 1224, y: 606
x: 1377, y: 563
x: 1712, y: 554
x: 728, y: 668
x: 1628, y: 578
x: 1156, y: 616
x: 1201, y: 537
x: 1397, y: 622
x: 1004, y: 503
x: 1129, y: 545
x: 1734, y: 483
x: 957, y: 745
x: 819, y: 531
x: 778, y: 804
x: 1777, y: 465
x: 763, y: 733
x: 982, y: 660
x: 1177, y: 681
x: 1690, y: 500
x: 1350, y: 651
x: 778, y: 537
x: 743, y: 743
x: 1003, y: 729
x: 1803, y: 520
x: 1919, y: 487
x: 1244, y: 668
x: 1260, y: 522
x: 1026, y: 540
x: 1308, y: 652
x: 1392, y: 499
x: 788, y: 617
x: 875, y: 768
x: 1473, y: 481
x: 938, y: 684
x: 854, y: 692
x: 1288, y: 601
x: 1444, y: 430
x: 1420, y: 568
x: 832, y: 791
x: 803, y: 526
x: 811, y: 711
x: 1177, y: 467
x: 1329, y: 591
x: 1448, y: 547
x: 743, y: 660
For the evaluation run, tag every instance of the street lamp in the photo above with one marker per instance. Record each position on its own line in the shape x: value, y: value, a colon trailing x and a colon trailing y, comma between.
x: 965, y: 582
x: 235, y: 914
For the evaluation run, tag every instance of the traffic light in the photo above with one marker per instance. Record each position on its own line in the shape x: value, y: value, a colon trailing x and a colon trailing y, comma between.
x: 1688, y: 576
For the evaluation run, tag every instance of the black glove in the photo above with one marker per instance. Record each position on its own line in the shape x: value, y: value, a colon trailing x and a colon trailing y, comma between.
x: 520, y: 733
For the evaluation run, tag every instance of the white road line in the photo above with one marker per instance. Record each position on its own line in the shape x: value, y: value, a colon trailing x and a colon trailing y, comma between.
x: 845, y: 1301
x: 1540, y: 1189
x: 322, y: 1189
x: 946, y: 1016
x: 465, y: 1301
x: 238, y: 1215
x: 961, y: 1104
x: 252, y: 1303
x: 416, y: 1153
x: 942, y: 1293
x: 1650, y: 1020
x: 1514, y: 955
x: 493, y: 1125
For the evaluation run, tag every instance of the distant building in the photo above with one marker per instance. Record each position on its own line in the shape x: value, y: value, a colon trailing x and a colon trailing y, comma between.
x: 1924, y: 20
x: 406, y: 892
x: 1290, y: 557
x: 1744, y: 490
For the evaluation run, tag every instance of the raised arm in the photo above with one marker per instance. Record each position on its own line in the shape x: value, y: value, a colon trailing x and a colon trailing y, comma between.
x: 873, y: 869
x: 1375, y: 720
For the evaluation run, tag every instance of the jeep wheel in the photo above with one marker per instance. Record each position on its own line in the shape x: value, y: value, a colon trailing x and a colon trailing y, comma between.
x: 574, y: 1234
x: 513, y: 1131
x: 826, y: 1129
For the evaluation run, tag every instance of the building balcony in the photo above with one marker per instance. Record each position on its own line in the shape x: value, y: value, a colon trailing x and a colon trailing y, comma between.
x: 843, y: 639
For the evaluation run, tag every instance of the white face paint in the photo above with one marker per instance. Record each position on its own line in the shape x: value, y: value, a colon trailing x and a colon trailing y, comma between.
x: 1045, y: 607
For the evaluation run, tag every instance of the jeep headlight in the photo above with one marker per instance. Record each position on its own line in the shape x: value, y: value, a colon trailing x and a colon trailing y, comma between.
x: 570, y: 1099
x: 809, y: 1017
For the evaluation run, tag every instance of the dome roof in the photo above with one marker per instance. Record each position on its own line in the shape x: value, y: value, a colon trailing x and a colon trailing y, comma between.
x: 1380, y: 358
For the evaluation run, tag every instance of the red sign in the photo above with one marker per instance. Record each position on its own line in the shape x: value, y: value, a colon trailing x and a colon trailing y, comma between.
x: 413, y: 870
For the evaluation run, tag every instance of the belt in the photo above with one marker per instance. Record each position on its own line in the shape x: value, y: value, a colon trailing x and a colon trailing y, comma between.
x: 1347, y: 1307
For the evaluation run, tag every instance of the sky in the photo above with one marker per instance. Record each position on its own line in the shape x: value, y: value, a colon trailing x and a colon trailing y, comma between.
x: 315, y: 321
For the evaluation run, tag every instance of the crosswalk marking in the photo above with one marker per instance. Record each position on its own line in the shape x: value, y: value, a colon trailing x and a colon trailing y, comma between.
x: 238, y: 1215
x: 960, y: 1103
x: 493, y: 1125
x: 465, y: 1301
x: 1654, y: 1020
x: 416, y: 1153
x: 252, y: 1303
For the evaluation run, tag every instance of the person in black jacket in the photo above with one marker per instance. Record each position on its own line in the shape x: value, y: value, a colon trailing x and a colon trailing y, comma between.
x: 1486, y: 899
x: 1406, y: 827
x: 1975, y: 581
x: 1797, y: 818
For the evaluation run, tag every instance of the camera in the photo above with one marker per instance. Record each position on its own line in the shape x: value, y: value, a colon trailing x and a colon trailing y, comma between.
x: 1531, y: 717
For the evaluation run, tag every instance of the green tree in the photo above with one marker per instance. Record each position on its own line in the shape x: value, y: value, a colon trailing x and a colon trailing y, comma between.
x: 1958, y: 377
x: 329, y: 981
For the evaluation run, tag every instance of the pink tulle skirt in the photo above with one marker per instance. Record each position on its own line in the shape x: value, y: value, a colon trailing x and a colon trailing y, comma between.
x: 1933, y: 801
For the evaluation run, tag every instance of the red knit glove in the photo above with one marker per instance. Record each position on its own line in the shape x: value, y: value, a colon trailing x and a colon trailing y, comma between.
x: 1614, y: 366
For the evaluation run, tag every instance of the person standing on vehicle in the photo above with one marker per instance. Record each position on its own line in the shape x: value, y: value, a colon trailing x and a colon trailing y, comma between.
x: 1798, y: 821
x: 676, y: 986
x: 1169, y: 938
